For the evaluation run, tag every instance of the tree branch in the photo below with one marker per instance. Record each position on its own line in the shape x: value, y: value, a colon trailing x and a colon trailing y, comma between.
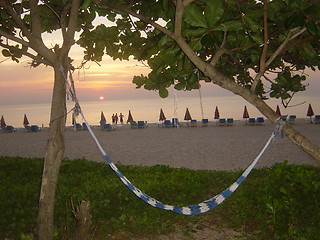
x: 35, y: 19
x: 63, y: 21
x: 68, y: 37
x: 178, y: 19
x: 264, y: 50
x: 130, y: 12
x: 16, y: 18
x: 36, y: 59
x: 220, y: 51
x: 13, y: 38
x: 35, y: 40
x: 278, y: 52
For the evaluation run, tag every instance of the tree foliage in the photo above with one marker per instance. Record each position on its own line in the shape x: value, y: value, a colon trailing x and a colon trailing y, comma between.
x: 263, y: 46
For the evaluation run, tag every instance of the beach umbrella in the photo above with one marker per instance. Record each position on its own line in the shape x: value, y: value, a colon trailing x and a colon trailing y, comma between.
x: 310, y: 112
x: 130, y: 118
x: 216, y: 113
x: 187, y: 116
x: 245, y: 113
x: 3, y: 123
x: 25, y: 120
x: 278, y: 110
x: 103, y: 119
x: 162, y: 117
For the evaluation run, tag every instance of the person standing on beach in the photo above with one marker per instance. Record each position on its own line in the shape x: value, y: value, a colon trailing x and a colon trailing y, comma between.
x: 116, y: 118
x: 121, y: 116
x: 113, y: 119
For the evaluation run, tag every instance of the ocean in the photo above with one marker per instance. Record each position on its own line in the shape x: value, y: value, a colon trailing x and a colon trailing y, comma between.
x: 149, y: 109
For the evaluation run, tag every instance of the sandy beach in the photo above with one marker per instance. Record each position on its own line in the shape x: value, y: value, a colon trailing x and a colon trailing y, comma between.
x: 213, y: 147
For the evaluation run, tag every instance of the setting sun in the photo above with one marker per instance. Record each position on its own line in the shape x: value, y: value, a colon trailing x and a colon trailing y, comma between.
x: 101, y: 98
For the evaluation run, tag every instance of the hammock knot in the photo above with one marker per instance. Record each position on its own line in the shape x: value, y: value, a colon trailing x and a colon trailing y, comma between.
x: 278, y: 128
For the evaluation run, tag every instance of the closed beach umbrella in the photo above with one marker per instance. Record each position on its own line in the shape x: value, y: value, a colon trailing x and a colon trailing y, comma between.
x: 162, y: 117
x: 103, y: 118
x: 310, y: 112
x: 245, y: 113
x: 216, y: 113
x: 3, y: 123
x: 187, y: 116
x: 278, y: 110
x: 25, y: 120
x: 130, y: 118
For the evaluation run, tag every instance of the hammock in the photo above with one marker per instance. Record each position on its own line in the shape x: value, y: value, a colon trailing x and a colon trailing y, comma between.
x: 199, y: 208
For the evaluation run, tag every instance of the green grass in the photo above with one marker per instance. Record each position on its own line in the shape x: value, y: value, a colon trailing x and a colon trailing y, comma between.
x: 282, y: 202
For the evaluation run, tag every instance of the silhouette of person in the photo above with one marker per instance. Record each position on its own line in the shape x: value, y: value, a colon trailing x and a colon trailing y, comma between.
x: 121, y: 116
x: 116, y: 118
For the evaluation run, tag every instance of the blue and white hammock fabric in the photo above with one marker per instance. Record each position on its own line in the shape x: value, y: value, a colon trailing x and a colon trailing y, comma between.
x: 199, y: 208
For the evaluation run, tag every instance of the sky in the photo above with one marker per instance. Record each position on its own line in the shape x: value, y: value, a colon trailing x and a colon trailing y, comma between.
x: 19, y: 84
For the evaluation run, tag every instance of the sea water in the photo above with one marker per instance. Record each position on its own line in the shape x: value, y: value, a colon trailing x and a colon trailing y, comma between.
x: 149, y: 109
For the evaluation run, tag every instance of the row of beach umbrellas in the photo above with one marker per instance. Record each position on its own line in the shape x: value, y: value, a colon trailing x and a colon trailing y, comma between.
x: 188, y: 117
x: 25, y: 121
x: 162, y: 117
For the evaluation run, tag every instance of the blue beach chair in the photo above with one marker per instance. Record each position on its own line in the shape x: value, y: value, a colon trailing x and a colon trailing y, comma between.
x: 167, y: 123
x: 205, y: 122
x: 193, y: 123
x: 229, y: 121
x: 260, y: 120
x: 291, y: 119
x: 251, y: 121
x: 222, y: 122
x: 141, y: 124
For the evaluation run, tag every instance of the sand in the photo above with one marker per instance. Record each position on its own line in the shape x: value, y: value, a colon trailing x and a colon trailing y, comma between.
x: 213, y: 147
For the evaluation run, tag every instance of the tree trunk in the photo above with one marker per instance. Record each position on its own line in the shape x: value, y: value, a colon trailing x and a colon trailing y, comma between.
x: 53, y: 157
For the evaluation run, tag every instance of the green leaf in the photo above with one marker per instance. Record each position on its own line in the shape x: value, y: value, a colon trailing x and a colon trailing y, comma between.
x: 253, y: 25
x: 85, y: 4
x: 258, y: 39
x: 213, y: 12
x: 194, y: 16
x: 312, y: 28
x: 164, y: 40
x: 233, y: 25
x: 180, y: 86
x: 163, y: 92
x: 6, y: 53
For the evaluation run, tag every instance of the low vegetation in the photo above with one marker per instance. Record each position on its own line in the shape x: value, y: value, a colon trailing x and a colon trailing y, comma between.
x: 281, y: 202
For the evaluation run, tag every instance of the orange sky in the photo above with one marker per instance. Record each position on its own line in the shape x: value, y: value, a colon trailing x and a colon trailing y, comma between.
x: 113, y: 80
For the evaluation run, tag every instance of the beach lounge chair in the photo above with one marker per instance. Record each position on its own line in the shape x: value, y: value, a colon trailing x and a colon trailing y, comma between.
x: 222, y: 122
x: 8, y: 129
x: 229, y: 121
x: 317, y: 119
x: 133, y: 124
x: 205, y: 122
x: 251, y: 121
x: 291, y: 119
x: 141, y: 124
x: 175, y: 122
x: 167, y: 123
x: 34, y: 128
x: 260, y: 120
x: 108, y: 127
x: 78, y: 127
x: 84, y: 126
x: 193, y: 123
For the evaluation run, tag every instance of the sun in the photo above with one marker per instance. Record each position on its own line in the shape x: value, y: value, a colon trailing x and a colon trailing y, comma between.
x: 101, y: 98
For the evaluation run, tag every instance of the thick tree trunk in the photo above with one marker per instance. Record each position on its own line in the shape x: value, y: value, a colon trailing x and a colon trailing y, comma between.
x: 53, y: 157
